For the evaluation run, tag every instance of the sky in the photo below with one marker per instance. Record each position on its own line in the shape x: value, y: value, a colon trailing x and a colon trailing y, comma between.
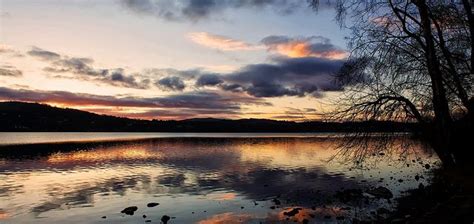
x: 172, y: 59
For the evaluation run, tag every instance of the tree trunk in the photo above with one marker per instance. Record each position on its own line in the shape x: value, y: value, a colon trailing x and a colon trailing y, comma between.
x: 442, y: 121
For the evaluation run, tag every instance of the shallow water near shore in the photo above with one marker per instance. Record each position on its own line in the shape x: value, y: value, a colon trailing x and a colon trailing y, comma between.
x: 197, y: 178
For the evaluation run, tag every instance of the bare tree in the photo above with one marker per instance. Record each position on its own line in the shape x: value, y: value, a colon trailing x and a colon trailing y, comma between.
x: 411, y: 61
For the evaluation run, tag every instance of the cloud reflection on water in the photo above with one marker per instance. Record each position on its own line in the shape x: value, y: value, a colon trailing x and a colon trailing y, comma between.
x: 234, y: 171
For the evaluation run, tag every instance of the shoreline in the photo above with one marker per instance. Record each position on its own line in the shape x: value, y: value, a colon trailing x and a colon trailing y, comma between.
x: 449, y: 198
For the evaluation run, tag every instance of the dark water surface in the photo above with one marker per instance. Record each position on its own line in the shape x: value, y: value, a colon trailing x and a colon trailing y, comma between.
x: 195, y: 179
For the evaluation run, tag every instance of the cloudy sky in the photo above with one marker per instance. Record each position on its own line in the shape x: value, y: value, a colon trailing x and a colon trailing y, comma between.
x: 172, y: 59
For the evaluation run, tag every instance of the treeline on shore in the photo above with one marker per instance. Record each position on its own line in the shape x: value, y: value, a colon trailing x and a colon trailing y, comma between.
x: 21, y: 116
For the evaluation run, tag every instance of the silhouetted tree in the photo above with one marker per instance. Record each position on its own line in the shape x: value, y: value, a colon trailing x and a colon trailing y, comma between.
x: 411, y: 60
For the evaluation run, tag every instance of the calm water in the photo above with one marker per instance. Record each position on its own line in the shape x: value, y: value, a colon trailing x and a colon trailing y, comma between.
x: 211, y: 178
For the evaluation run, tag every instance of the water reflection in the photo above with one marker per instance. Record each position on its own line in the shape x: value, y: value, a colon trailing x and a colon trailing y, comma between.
x: 200, y: 180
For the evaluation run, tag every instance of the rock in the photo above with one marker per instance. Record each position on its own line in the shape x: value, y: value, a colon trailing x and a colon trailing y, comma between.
x: 144, y: 216
x: 165, y: 219
x: 148, y: 220
x: 152, y: 204
x: 427, y: 166
x: 276, y: 201
x: 400, y: 180
x: 417, y: 177
x: 272, y: 207
x: 130, y: 210
x: 381, y: 192
x: 104, y: 217
x: 293, y: 212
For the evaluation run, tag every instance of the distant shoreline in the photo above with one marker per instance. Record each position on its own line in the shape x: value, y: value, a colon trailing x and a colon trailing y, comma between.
x: 33, y: 117
x: 12, y: 139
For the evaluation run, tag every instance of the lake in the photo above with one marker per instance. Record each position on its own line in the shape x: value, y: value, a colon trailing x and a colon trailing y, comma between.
x: 197, y: 178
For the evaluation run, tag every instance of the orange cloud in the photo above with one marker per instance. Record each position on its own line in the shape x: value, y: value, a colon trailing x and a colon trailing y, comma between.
x: 301, y: 48
x: 220, y: 42
x: 314, y: 46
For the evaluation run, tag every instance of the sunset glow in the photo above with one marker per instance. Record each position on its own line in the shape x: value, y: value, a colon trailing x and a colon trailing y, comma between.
x: 118, y: 58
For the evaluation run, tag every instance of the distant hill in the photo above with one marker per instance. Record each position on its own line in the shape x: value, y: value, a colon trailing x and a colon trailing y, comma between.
x: 20, y: 116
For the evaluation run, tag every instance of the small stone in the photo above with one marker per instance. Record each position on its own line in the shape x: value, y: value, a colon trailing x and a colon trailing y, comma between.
x: 417, y: 177
x: 104, y: 217
x: 152, y: 204
x: 144, y: 216
x: 427, y: 166
x: 165, y: 219
x: 276, y: 201
x: 130, y: 210
x: 293, y: 212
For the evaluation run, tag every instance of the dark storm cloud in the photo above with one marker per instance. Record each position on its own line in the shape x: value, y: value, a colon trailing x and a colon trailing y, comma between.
x: 208, y: 80
x: 193, y: 100
x: 10, y: 71
x: 194, y: 10
x: 284, y: 77
x: 173, y: 83
x: 83, y: 67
